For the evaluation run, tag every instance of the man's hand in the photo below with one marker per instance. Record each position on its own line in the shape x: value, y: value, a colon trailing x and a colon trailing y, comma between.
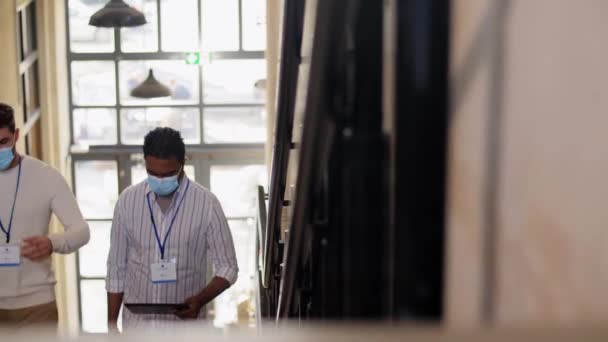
x: 37, y: 248
x: 193, y: 310
x: 195, y: 303
x: 113, y: 327
x: 114, y: 303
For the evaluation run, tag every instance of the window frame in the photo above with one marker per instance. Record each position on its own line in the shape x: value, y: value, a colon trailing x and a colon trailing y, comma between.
x: 29, y: 62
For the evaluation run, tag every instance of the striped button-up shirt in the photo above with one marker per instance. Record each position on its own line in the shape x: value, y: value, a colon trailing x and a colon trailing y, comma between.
x: 200, y: 230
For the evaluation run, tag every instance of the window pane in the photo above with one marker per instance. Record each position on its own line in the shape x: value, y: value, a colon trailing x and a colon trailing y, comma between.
x: 93, y: 256
x: 95, y: 126
x: 141, y: 38
x: 32, y: 100
x: 236, y: 187
x: 86, y: 38
x: 181, y: 78
x: 139, y: 174
x: 241, y: 293
x: 233, y: 81
x: 254, y: 25
x: 234, y: 125
x: 27, y: 30
x: 93, y: 306
x: 33, y: 141
x: 179, y: 25
x: 96, y: 187
x: 220, y: 25
x: 137, y: 122
x: 93, y: 83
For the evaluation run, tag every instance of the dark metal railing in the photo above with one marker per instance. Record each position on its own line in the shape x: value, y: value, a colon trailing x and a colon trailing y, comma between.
x: 288, y: 76
x: 311, y: 143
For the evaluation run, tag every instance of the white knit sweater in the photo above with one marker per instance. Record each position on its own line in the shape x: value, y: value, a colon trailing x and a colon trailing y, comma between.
x: 42, y: 192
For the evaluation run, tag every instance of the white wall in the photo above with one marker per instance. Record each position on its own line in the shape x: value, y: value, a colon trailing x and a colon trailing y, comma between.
x: 552, y: 109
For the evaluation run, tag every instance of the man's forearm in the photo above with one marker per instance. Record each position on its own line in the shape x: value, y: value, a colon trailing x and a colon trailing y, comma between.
x: 213, y: 289
x: 114, y: 303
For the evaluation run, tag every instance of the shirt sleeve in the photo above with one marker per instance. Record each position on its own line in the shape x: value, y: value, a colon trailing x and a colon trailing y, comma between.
x: 76, y: 230
x: 220, y: 244
x: 117, y: 256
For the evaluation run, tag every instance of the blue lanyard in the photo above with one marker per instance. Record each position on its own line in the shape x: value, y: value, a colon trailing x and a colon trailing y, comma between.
x: 162, y: 245
x: 7, y: 232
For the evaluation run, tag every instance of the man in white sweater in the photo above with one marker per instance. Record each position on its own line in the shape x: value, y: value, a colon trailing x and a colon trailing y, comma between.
x: 30, y: 191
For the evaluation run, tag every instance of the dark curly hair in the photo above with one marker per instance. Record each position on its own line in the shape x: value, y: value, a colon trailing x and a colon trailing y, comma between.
x: 7, y: 117
x: 165, y: 143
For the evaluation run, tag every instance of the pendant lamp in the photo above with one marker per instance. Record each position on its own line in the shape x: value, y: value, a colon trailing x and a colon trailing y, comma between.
x: 150, y: 88
x: 116, y: 13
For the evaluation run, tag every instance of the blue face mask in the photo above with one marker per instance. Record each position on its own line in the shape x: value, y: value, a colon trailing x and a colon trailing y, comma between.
x: 163, y: 186
x: 6, y: 157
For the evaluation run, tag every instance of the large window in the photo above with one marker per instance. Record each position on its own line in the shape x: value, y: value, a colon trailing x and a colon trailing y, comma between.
x: 216, y: 103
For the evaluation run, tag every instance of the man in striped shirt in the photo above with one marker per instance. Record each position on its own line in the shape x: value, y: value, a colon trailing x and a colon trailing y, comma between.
x: 162, y: 233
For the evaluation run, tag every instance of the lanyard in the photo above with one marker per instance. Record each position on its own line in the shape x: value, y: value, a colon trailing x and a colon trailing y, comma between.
x: 161, y: 245
x: 7, y: 232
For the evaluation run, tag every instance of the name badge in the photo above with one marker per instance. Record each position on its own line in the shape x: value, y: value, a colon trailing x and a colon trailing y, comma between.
x: 10, y: 255
x: 163, y: 272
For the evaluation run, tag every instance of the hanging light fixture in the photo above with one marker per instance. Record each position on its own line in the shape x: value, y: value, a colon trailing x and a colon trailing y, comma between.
x: 116, y: 13
x: 150, y: 88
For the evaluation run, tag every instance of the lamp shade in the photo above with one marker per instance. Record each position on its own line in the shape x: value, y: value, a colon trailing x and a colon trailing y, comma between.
x: 116, y: 13
x: 150, y: 88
